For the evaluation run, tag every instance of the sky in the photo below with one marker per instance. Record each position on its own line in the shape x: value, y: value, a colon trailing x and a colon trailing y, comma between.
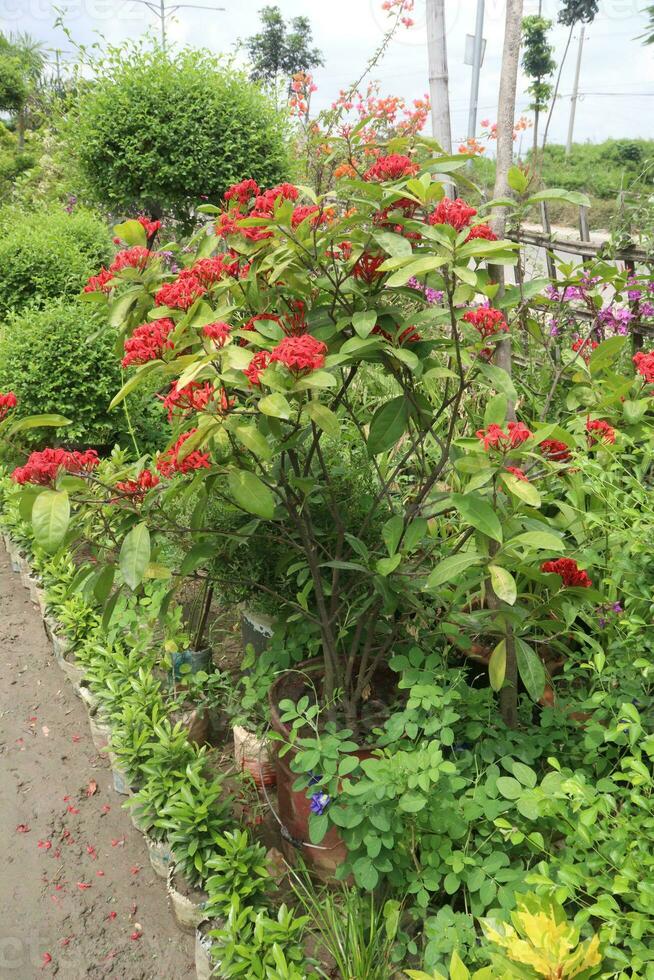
x: 617, y: 72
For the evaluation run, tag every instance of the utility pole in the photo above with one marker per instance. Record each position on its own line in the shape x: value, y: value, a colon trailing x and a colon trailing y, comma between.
x: 160, y: 11
x: 438, y: 75
x: 575, y: 92
x: 476, y: 70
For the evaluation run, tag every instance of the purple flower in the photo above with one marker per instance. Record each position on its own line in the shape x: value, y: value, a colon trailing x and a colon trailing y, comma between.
x: 617, y: 607
x: 431, y: 295
x: 552, y: 292
x: 633, y: 295
x: 647, y: 309
x: 554, y: 327
x: 319, y: 803
x: 601, y: 622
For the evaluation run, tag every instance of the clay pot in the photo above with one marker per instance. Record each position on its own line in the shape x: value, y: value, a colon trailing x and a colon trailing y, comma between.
x: 194, y: 660
x: 252, y: 755
x: 161, y: 856
x: 188, y: 913
x: 293, y: 806
x: 256, y: 628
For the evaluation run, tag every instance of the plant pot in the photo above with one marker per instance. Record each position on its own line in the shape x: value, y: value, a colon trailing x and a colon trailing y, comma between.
x: 252, y: 755
x: 205, y: 967
x: 256, y: 628
x: 41, y: 602
x: 161, y: 856
x: 91, y: 702
x: 188, y: 912
x: 34, y: 586
x: 15, y: 557
x: 100, y: 730
x: 294, y: 808
x: 193, y: 660
x: 8, y: 543
x: 196, y: 721
x: 120, y: 776
x: 73, y: 671
x: 60, y: 645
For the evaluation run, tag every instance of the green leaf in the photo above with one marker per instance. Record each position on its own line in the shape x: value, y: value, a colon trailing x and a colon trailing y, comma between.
x: 275, y: 405
x: 530, y: 668
x: 134, y: 555
x: 132, y: 232
x: 606, y: 352
x: 503, y: 584
x: 104, y: 583
x: 412, y: 802
x: 36, y: 421
x: 324, y: 418
x: 517, y: 180
x: 318, y: 827
x: 560, y: 194
x: 396, y: 245
x: 521, y: 488
x: 429, y: 263
x: 526, y: 775
x: 388, y: 423
x: 500, y: 379
x: 458, y: 970
x: 387, y: 565
x: 450, y: 568
x: 391, y: 532
x: 509, y: 787
x: 495, y: 412
x: 134, y: 382
x: 364, y: 322
x: 251, y: 494
x: 540, y: 540
x: 50, y: 518
x: 497, y: 666
x: 253, y: 440
x: 479, y: 513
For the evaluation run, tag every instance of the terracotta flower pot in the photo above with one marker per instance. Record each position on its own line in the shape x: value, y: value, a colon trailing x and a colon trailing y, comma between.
x: 188, y: 912
x: 252, y: 755
x: 293, y: 806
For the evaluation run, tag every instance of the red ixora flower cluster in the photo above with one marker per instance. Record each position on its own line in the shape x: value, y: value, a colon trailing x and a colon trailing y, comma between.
x: 43, y: 465
x: 151, y: 227
x: 569, y: 571
x: 131, y: 258
x: 300, y: 354
x: 366, y: 268
x: 393, y: 167
x: 518, y: 473
x: 169, y: 463
x: 99, y: 283
x: 211, y: 270
x: 259, y: 363
x: 180, y: 294
x: 604, y: 431
x: 487, y: 320
x: 148, y: 342
x: 452, y: 212
x: 219, y: 332
x: 138, y: 488
x: 482, y: 231
x: 555, y: 450
x: 585, y: 347
x: 318, y: 216
x: 7, y: 402
x: 644, y: 364
x: 494, y: 436
x: 243, y: 191
x: 193, y: 398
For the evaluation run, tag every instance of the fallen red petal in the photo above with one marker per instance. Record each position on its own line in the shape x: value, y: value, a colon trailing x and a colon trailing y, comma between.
x: 106, y: 808
x: 136, y: 935
x: 112, y: 915
x: 72, y: 809
x: 46, y: 959
x: 76, y: 738
x: 91, y: 850
x: 100, y: 874
x: 66, y: 941
x: 83, y: 885
x: 135, y: 869
x: 22, y: 828
x: 117, y: 841
x: 44, y: 845
x: 92, y: 788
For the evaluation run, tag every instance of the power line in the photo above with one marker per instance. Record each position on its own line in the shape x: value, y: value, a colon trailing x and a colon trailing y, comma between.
x: 160, y: 11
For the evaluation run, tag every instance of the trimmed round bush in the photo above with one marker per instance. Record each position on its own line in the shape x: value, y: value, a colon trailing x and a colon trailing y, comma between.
x: 62, y: 359
x: 157, y: 132
x: 48, y: 253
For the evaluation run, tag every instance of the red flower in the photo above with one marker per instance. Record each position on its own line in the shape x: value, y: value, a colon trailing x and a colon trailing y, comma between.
x: 99, y: 283
x: 267, y: 199
x: 242, y: 192
x: 319, y: 216
x: 138, y: 488
x: 518, y: 473
x: 180, y: 294
x: 151, y: 227
x: 259, y: 363
x: 409, y: 336
x: 210, y: 271
x: 482, y: 231
x: 257, y: 233
x: 557, y: 451
x: 227, y: 224
x: 487, y: 321
x: 570, y: 573
x: 218, y: 332
x: 645, y: 365
x: 7, y: 402
x: 604, y: 430
x: 366, y: 267
x: 455, y: 213
x: 43, y: 466
x: 148, y: 342
x: 585, y: 347
x: 294, y: 323
x: 193, y: 398
x: 299, y: 354
x: 494, y: 437
x: 170, y: 463
x: 131, y: 258
x: 46, y: 959
x: 392, y: 167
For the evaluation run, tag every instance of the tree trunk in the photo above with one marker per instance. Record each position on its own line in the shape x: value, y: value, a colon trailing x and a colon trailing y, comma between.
x: 20, y: 129
x: 438, y: 74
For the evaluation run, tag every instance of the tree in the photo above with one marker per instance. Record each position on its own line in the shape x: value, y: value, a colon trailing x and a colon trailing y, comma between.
x: 648, y: 36
x: 573, y: 11
x: 538, y: 64
x: 280, y: 49
x: 21, y: 65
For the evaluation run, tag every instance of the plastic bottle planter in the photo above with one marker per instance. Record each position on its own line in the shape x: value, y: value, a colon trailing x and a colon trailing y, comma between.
x: 192, y: 660
x: 90, y: 700
x: 41, y: 601
x: 161, y: 856
x: 251, y: 755
x: 15, y: 557
x: 205, y: 967
x: 256, y: 628
x: 188, y: 914
x: 34, y: 586
x: 8, y: 543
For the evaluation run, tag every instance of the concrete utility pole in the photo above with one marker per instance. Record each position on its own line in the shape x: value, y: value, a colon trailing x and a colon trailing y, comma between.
x: 575, y: 93
x: 160, y: 11
x: 438, y: 75
x: 476, y: 70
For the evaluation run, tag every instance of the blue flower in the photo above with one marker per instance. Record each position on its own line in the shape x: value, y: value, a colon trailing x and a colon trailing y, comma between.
x: 319, y: 803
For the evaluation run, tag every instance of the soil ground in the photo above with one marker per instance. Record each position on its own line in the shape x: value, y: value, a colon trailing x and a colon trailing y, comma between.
x: 78, y: 897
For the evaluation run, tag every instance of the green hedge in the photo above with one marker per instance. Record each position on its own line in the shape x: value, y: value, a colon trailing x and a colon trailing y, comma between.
x: 63, y: 359
x: 48, y: 253
x: 156, y: 132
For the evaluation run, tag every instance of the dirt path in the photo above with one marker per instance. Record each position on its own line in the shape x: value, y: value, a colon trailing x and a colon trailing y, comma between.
x: 78, y: 897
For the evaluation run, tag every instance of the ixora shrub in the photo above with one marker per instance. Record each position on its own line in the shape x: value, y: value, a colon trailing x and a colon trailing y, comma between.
x: 61, y: 359
x: 48, y: 253
x: 158, y: 132
x: 488, y: 520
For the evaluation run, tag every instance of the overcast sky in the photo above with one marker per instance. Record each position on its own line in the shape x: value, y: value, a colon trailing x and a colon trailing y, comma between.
x: 617, y: 75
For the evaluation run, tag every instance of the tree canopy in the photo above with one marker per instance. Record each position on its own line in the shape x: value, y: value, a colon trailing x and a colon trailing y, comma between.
x: 281, y: 49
